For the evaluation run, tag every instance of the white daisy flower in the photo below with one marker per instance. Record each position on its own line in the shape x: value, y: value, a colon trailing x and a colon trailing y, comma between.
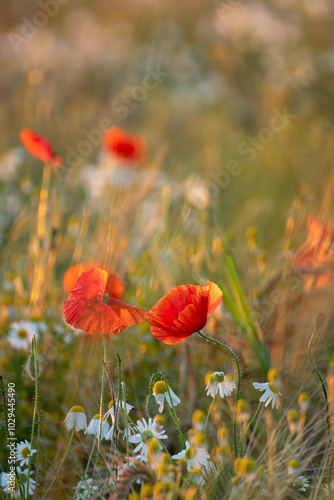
x: 76, y: 418
x: 328, y: 489
x: 110, y: 412
x: 24, y: 452
x: 197, y: 476
x: 158, y: 423
x: 304, y: 401
x: 6, y: 482
x: 20, y: 334
x: 293, y: 421
x: 301, y: 483
x: 84, y: 489
x: 195, y: 457
x: 197, y: 194
x: 147, y: 430
x: 94, y: 427
x: 219, y: 382
x: 271, y: 393
x: 293, y: 467
x: 160, y: 392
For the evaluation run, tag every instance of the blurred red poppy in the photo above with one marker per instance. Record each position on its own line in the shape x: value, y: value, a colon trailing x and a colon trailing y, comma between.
x: 317, y: 251
x: 39, y: 147
x: 115, y: 285
x: 318, y: 248
x: 131, y: 148
x: 92, y: 310
x: 183, y: 311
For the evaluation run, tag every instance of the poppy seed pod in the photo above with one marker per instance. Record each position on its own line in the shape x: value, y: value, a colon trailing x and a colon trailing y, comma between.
x: 29, y: 368
x: 151, y: 406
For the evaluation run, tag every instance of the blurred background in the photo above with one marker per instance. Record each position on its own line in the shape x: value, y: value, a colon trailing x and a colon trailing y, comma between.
x: 236, y: 101
x: 225, y: 67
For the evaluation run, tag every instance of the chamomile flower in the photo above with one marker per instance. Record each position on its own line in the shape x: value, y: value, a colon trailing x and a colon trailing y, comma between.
x: 198, y: 420
x: 111, y: 413
x: 24, y: 452
x: 194, y: 457
x: 23, y: 477
x: 146, y: 431
x: 293, y: 467
x: 270, y: 389
x: 293, y: 418
x: 219, y: 382
x: 160, y: 391
x: 242, y: 411
x: 158, y: 423
x: 94, y: 427
x: 85, y: 489
x: 245, y: 467
x: 20, y: 334
x: 301, y: 483
x: 271, y: 393
x: 328, y: 489
x: 76, y: 418
x: 304, y: 400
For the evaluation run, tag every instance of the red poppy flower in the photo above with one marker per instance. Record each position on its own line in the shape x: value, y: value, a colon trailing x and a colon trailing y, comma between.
x: 183, y: 311
x: 115, y: 286
x: 316, y: 252
x: 92, y: 310
x: 39, y: 147
x: 318, y: 248
x: 124, y: 146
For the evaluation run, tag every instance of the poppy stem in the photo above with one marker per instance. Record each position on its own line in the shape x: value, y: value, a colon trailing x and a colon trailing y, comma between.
x: 101, y: 405
x: 171, y: 408
x: 223, y: 346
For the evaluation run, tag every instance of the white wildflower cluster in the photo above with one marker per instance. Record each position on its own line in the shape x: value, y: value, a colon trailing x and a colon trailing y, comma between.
x: 15, y: 483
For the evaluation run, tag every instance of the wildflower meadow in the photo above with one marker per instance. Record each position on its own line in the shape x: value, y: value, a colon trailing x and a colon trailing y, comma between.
x: 167, y: 250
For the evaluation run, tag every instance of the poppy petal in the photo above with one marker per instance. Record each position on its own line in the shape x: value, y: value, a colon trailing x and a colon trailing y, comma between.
x: 183, y: 311
x: 114, y: 287
x: 39, y: 147
x: 90, y: 284
x: 215, y: 296
x: 92, y: 316
x: 129, y: 315
x: 123, y: 145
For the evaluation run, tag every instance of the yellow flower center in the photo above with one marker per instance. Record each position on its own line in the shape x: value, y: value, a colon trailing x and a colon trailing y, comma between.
x: 190, y: 453
x: 160, y: 387
x: 111, y: 404
x: 77, y: 409
x: 22, y: 334
x: 217, y: 377
x: 273, y: 386
x: 272, y: 375
x: 26, y: 452
x: 293, y: 416
x: 105, y: 298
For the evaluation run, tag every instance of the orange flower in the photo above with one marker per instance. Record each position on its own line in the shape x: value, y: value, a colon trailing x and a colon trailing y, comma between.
x: 124, y: 146
x: 318, y: 248
x: 115, y: 286
x: 92, y: 310
x: 317, y: 252
x: 39, y: 147
x: 183, y: 311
